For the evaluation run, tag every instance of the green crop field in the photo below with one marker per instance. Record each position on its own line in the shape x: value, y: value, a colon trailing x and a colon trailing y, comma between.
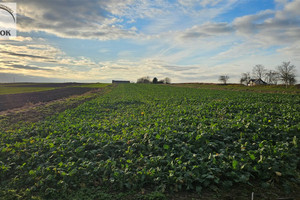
x: 15, y: 89
x: 291, y: 89
x: 95, y: 85
x: 155, y: 138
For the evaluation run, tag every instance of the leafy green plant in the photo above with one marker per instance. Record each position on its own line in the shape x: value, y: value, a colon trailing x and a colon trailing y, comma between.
x: 159, y: 137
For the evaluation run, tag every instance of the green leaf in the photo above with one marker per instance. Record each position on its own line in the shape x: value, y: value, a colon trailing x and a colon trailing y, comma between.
x: 198, y: 137
x: 74, y: 171
x: 252, y: 156
x: 63, y: 173
x: 51, y: 145
x: 60, y: 164
x: 166, y: 146
x: 234, y: 164
x: 31, y: 172
x: 295, y: 141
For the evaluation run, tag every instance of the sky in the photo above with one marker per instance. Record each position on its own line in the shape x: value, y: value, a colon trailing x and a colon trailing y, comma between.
x: 185, y: 40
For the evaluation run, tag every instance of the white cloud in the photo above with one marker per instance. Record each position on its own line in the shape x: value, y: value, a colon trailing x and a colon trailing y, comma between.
x: 70, y: 19
x: 30, y: 56
x: 109, y: 20
x: 291, y: 52
x: 268, y: 27
x: 179, y: 39
x: 249, y: 24
x: 203, y: 3
x: 207, y: 30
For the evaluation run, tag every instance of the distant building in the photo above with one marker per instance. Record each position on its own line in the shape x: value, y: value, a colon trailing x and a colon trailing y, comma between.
x: 253, y: 82
x: 117, y: 82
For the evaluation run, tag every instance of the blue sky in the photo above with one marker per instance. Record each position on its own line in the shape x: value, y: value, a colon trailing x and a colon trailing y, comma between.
x: 185, y: 40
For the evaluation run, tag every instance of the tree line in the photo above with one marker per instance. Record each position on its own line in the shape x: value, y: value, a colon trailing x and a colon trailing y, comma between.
x: 286, y: 73
x: 147, y: 79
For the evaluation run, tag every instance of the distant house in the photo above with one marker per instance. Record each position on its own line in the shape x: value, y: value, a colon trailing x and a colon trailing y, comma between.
x: 253, y: 82
x: 117, y: 82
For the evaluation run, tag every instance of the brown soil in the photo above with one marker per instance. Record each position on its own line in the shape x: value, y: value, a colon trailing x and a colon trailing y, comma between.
x: 11, y: 119
x: 11, y: 101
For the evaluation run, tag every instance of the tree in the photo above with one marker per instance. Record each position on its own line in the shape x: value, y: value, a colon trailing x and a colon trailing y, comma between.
x: 259, y: 71
x: 245, y: 78
x: 145, y: 79
x: 155, y: 80
x: 167, y: 80
x: 224, y: 79
x: 287, y: 73
x: 292, y: 80
x: 272, y: 77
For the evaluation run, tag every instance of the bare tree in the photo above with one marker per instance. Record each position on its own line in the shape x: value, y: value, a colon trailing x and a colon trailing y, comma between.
x: 224, y: 79
x: 245, y: 78
x: 272, y: 77
x: 292, y: 80
x: 258, y: 71
x: 287, y: 73
x: 145, y: 79
x: 167, y: 80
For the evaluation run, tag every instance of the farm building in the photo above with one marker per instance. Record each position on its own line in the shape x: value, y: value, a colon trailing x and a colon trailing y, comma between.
x: 117, y: 81
x: 253, y: 82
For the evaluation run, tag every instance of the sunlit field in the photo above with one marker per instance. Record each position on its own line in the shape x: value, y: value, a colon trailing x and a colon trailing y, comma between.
x: 156, y: 140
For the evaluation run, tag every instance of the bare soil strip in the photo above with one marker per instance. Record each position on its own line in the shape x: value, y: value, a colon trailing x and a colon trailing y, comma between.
x: 11, y: 101
x: 29, y: 113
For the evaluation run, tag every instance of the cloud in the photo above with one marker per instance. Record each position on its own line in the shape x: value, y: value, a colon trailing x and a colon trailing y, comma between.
x: 18, y: 77
x: 180, y: 39
x: 29, y: 51
x: 203, y: 3
x: 207, y: 30
x: 281, y: 2
x: 17, y: 39
x: 181, y: 15
x: 178, y: 68
x: 268, y: 27
x: 38, y: 52
x: 23, y: 55
x: 28, y: 67
x: 35, y: 57
x: 71, y: 19
x: 291, y: 52
x: 250, y: 24
x: 114, y: 19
